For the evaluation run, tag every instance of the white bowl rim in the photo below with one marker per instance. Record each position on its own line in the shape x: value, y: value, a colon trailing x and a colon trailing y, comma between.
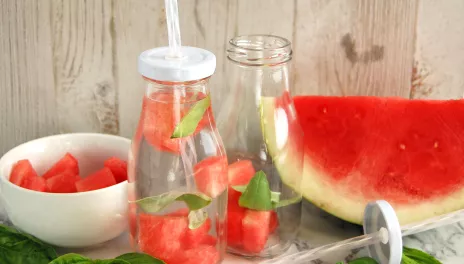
x: 7, y: 182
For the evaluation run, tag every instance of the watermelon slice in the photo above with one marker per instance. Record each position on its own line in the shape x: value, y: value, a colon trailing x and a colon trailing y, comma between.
x: 34, y: 183
x: 67, y: 162
x: 100, y: 179
x: 22, y: 170
x: 211, y: 175
x: 64, y: 182
x: 240, y: 172
x: 118, y: 168
x: 255, y: 230
x: 358, y: 149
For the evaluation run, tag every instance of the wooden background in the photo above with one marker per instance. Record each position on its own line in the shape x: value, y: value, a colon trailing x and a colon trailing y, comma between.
x: 70, y: 65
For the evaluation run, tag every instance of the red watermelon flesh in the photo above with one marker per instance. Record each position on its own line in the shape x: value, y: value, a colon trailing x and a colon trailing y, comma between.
x: 100, y: 179
x: 64, y: 182
x: 20, y: 171
x: 67, y: 162
x: 234, y: 228
x: 160, y: 236
x: 211, y: 175
x: 200, y: 255
x: 118, y: 167
x: 361, y: 148
x: 240, y: 172
x: 162, y: 112
x: 194, y: 237
x: 255, y: 230
x: 34, y: 183
x: 273, y: 222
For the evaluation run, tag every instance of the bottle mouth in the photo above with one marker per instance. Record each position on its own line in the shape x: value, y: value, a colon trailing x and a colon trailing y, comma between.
x: 258, y: 50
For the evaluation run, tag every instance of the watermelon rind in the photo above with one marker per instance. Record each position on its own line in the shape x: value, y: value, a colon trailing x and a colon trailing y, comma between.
x: 338, y: 199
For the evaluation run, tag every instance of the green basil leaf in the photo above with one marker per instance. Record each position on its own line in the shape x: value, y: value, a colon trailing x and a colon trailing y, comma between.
x: 190, y: 121
x: 363, y: 260
x: 257, y: 195
x: 140, y: 258
x: 18, y: 247
x: 194, y: 201
x: 339, y: 262
x: 275, y: 196
x: 287, y: 202
x: 407, y: 260
x: 419, y: 256
x: 72, y: 258
x: 197, y: 218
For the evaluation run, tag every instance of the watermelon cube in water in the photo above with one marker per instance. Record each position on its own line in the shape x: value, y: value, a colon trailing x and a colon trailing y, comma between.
x: 118, y: 168
x: 67, y: 162
x: 160, y: 236
x: 64, y: 182
x: 203, y: 254
x: 240, y: 172
x: 22, y: 170
x: 100, y: 179
x: 211, y: 175
x: 255, y: 230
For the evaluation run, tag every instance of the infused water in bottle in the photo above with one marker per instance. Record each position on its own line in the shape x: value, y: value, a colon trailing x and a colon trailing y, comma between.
x: 177, y: 165
x: 263, y: 141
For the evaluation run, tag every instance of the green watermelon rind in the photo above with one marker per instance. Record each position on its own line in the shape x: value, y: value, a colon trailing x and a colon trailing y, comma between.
x: 321, y: 192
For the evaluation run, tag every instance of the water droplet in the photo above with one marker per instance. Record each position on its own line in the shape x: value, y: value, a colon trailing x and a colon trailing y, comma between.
x: 435, y: 145
x: 324, y: 110
x: 402, y: 146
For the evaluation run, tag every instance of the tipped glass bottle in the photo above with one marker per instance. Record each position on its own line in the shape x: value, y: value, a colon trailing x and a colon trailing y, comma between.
x: 177, y: 165
x: 263, y: 141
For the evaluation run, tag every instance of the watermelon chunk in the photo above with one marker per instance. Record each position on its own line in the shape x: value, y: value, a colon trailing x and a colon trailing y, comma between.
x: 162, y: 112
x: 211, y: 175
x: 234, y: 228
x: 100, y: 179
x: 160, y: 236
x: 67, y: 162
x: 200, y: 255
x: 20, y: 171
x: 360, y: 148
x: 118, y: 167
x: 255, y: 230
x: 34, y: 183
x: 274, y: 222
x: 64, y: 182
x: 240, y: 172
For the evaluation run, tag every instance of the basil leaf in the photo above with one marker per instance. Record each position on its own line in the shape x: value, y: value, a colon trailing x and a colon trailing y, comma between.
x: 419, y: 256
x: 72, y: 258
x: 275, y: 196
x: 194, y: 201
x: 287, y: 202
x: 363, y: 260
x: 18, y: 247
x: 197, y: 218
x: 406, y: 260
x: 190, y: 121
x: 140, y: 258
x: 257, y: 195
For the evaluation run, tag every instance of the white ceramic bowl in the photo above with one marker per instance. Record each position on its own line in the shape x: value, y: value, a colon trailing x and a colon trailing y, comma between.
x: 67, y: 220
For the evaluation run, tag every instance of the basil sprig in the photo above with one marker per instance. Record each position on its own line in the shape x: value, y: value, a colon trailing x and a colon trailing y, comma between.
x: 257, y: 195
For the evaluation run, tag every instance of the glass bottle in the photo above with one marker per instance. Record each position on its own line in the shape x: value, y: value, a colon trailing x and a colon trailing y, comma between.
x: 259, y: 128
x: 177, y: 165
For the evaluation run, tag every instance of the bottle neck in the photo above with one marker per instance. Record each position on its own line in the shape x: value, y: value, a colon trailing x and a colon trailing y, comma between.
x: 181, y: 89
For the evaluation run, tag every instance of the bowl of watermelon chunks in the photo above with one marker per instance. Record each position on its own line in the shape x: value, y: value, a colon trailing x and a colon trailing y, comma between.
x: 69, y: 190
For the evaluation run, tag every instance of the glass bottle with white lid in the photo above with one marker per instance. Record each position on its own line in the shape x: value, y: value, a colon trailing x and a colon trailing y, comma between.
x: 177, y: 165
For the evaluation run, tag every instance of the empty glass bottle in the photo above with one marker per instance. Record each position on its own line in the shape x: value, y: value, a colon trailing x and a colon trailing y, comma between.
x: 263, y: 141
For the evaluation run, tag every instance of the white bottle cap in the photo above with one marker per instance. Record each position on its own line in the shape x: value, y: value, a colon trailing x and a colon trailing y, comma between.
x: 380, y: 216
x: 195, y: 64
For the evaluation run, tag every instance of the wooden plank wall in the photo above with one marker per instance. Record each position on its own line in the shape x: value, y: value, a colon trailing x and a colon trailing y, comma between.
x: 70, y: 66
